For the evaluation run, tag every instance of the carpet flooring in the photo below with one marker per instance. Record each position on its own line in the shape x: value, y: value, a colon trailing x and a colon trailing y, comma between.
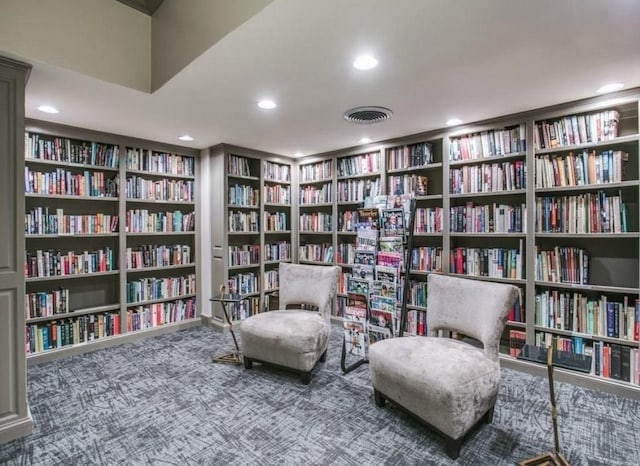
x: 161, y: 401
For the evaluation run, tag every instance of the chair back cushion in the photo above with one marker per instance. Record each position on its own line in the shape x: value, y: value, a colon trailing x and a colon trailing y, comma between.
x: 308, y: 284
x: 475, y: 308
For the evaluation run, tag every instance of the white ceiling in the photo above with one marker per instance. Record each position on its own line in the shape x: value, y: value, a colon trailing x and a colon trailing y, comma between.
x: 472, y: 59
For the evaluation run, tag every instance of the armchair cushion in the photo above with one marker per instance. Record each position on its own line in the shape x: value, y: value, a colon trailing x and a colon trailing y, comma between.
x: 290, y: 338
x: 461, y: 381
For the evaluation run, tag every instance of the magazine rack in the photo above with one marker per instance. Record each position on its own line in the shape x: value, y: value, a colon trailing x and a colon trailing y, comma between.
x: 408, y: 244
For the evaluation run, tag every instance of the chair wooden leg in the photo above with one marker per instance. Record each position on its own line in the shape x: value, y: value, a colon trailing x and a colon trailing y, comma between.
x: 305, y: 377
x: 488, y: 416
x: 248, y: 363
x: 379, y: 398
x: 452, y: 447
x: 323, y: 358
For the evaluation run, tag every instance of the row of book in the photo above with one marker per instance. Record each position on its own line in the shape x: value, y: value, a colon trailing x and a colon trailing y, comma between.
x: 63, y: 182
x: 415, y: 155
x: 243, y: 195
x: 245, y: 308
x: 576, y: 312
x: 357, y: 190
x: 309, y: 195
x: 577, y: 129
x: 277, y: 194
x: 316, y: 171
x: 143, y: 221
x: 488, y: 218
x: 46, y: 303
x: 246, y: 254
x: 150, y: 288
x: 407, y: 184
x: 563, y: 264
x: 416, y: 322
x: 316, y: 222
x: 247, y: 222
x: 418, y: 293
x: 359, y: 165
x: 152, y: 255
x: 160, y: 162
x: 585, y: 213
x: 428, y: 220
x: 55, y: 263
x: 276, y: 172
x: 609, y: 360
x: 488, y: 143
x: 44, y: 147
x: 280, y: 251
x: 271, y: 280
x: 60, y: 333
x: 275, y: 221
x: 311, y: 252
x: 42, y: 221
x: 486, y: 178
x: 160, y: 190
x: 239, y: 166
x: 426, y: 259
x: 487, y: 262
x: 243, y: 283
x: 580, y: 169
x: 157, y: 314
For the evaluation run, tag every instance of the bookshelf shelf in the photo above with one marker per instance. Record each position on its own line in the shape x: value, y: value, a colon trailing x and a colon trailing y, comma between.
x: 243, y: 233
x: 247, y: 207
x: 514, y: 192
x: 159, y: 175
x: 162, y: 233
x: 161, y: 300
x: 72, y: 235
x: 164, y: 267
x: 71, y: 198
x: 419, y: 168
x: 54, y: 163
x: 514, y: 281
x: 487, y: 235
x: 513, y: 323
x: 274, y: 204
x: 274, y: 262
x: 490, y: 159
x: 588, y: 336
x: 77, y: 312
x: 243, y: 177
x: 601, y: 288
x: 244, y: 266
x: 154, y: 201
x: 315, y: 206
x: 623, y: 140
x: 628, y: 235
x: 361, y: 175
x: 590, y: 187
x: 278, y: 232
x: 319, y: 181
x: 70, y: 277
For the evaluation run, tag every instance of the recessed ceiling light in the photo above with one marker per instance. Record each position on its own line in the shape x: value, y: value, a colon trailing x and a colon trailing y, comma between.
x: 48, y: 109
x: 185, y: 137
x: 298, y: 154
x: 365, y: 62
x: 365, y: 140
x: 453, y: 121
x: 267, y: 104
x: 611, y: 87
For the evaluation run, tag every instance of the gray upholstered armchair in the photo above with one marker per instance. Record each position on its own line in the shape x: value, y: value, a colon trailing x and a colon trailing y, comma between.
x: 293, y: 338
x: 447, y: 383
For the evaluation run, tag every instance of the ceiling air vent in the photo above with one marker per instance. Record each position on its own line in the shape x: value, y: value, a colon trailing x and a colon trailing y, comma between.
x: 367, y: 115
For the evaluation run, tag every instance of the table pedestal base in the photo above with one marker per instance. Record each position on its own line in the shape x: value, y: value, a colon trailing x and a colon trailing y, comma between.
x: 548, y: 459
x: 234, y: 357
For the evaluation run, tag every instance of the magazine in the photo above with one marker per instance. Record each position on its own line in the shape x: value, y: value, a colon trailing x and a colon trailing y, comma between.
x: 377, y: 334
x: 392, y: 221
x: 354, y: 338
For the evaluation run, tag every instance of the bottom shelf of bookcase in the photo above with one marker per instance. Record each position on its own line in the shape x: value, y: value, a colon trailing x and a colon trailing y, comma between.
x: 80, y: 348
x: 593, y: 382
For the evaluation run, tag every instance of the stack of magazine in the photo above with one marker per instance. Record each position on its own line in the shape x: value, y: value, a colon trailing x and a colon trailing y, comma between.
x: 372, y: 312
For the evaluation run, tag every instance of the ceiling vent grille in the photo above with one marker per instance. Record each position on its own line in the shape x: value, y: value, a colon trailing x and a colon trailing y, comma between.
x: 367, y: 115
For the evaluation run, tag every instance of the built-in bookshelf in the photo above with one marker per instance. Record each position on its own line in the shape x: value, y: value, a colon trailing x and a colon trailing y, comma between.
x: 546, y: 200
x: 487, y: 229
x: 587, y: 279
x: 256, y: 233
x: 110, y: 239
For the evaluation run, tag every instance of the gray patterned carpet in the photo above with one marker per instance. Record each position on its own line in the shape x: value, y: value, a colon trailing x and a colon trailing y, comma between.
x: 161, y: 401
